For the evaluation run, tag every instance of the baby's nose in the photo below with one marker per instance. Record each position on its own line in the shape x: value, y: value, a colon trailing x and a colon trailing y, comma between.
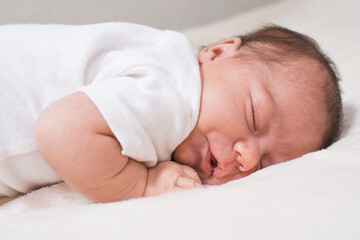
x: 247, y: 156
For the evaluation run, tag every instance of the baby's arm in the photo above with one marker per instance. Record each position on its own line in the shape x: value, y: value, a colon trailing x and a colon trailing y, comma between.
x: 76, y: 141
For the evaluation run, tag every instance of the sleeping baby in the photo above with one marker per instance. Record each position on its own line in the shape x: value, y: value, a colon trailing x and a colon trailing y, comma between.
x: 121, y: 111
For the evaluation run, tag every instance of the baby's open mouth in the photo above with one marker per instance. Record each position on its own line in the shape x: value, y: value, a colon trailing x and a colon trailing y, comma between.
x: 213, y: 161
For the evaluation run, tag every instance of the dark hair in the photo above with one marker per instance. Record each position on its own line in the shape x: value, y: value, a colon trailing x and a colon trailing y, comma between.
x: 282, y: 45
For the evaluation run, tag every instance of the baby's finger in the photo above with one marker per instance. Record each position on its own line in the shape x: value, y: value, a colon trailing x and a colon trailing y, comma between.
x: 178, y: 189
x: 186, y: 182
x: 192, y: 174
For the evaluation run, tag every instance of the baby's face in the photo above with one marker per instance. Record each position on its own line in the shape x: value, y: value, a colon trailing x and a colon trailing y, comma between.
x: 247, y: 121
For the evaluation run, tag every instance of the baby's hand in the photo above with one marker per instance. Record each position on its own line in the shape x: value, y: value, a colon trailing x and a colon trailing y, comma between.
x: 169, y: 177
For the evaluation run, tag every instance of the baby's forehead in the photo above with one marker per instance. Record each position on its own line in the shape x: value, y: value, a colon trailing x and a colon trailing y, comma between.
x: 301, y: 99
x: 294, y: 84
x: 299, y: 67
x: 301, y: 113
x: 306, y: 76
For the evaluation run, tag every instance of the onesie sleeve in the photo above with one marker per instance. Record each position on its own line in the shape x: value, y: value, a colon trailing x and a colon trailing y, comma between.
x: 145, y: 111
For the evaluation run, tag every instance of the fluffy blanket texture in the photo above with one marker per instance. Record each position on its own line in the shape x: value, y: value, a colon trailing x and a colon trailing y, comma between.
x: 313, y: 197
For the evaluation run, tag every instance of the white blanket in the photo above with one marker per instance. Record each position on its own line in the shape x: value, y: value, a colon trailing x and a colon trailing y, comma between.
x: 316, y: 196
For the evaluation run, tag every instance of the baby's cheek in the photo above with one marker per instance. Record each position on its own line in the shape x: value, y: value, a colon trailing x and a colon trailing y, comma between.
x: 184, y: 156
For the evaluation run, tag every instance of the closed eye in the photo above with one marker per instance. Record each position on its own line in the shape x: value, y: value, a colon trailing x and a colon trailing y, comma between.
x: 253, y: 116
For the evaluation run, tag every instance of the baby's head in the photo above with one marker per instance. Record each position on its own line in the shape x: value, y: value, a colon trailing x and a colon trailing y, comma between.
x: 267, y: 97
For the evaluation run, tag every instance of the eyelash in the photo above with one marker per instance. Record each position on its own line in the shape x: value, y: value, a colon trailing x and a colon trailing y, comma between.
x: 253, y: 116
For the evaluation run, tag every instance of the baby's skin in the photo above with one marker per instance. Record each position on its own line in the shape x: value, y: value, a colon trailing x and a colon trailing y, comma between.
x: 250, y: 118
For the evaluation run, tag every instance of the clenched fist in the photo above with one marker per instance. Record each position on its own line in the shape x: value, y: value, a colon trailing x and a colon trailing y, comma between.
x: 169, y: 177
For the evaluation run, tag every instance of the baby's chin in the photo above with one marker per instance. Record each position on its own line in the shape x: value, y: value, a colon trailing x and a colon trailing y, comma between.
x: 212, y: 180
x: 208, y: 178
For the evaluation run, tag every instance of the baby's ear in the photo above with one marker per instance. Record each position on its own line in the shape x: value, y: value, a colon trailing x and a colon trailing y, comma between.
x: 218, y: 50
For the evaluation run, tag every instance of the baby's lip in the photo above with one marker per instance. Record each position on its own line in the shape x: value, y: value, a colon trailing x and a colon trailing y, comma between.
x: 207, y: 166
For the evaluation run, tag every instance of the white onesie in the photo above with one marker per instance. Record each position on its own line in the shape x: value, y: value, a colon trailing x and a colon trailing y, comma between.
x: 145, y: 82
